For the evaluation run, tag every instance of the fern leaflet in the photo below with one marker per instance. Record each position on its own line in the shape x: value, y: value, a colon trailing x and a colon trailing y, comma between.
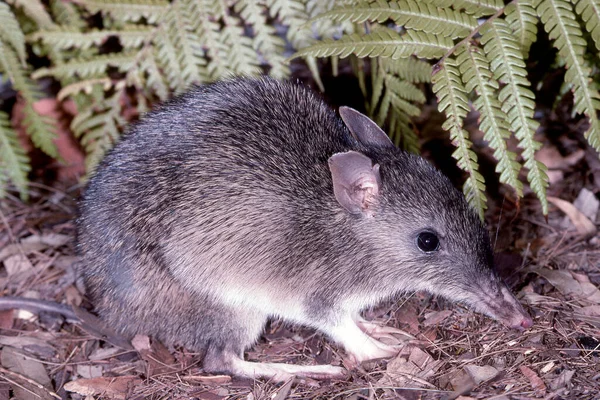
x: 411, y: 14
x: 476, y: 75
x: 10, y: 31
x: 452, y: 100
x: 522, y: 18
x: 589, y: 10
x: 128, y: 10
x: 559, y: 21
x: 14, y: 163
x: 383, y: 42
x: 507, y: 64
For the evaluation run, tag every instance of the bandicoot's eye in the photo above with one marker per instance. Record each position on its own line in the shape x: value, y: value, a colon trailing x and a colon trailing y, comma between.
x: 428, y: 242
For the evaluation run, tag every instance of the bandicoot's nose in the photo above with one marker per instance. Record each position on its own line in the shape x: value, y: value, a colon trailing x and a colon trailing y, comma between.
x: 526, y: 323
x: 522, y: 323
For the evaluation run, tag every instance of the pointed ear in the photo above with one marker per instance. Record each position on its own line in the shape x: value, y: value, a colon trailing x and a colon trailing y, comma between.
x: 356, y: 182
x: 364, y: 129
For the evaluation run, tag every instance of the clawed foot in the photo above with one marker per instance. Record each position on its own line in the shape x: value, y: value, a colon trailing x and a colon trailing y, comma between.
x: 283, y: 372
x: 381, y: 331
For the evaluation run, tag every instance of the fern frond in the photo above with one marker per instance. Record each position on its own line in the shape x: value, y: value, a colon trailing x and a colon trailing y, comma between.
x: 10, y: 31
x: 88, y: 68
x: 522, y: 19
x: 36, y: 10
x: 67, y: 15
x: 39, y: 128
x: 14, y: 162
x: 410, y: 69
x: 405, y: 90
x: 241, y: 57
x: 154, y: 77
x: 506, y: 60
x: 128, y: 10
x: 166, y: 57
x: 477, y: 8
x: 477, y: 77
x: 293, y: 14
x: 83, y: 86
x: 589, y: 10
x: 411, y: 14
x: 559, y: 21
x: 98, y: 128
x: 402, y: 134
x: 66, y: 38
x: 190, y: 55
x: 383, y: 42
x: 265, y: 39
x: 452, y: 100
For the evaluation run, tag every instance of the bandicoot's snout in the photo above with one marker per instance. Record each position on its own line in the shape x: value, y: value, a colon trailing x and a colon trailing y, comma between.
x: 503, y: 306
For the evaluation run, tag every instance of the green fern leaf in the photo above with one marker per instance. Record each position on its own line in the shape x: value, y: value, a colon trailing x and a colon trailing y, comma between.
x: 67, y: 15
x: 128, y: 10
x: 522, y: 18
x: 293, y: 14
x: 589, y: 10
x: 65, y: 38
x: 477, y: 77
x: 405, y: 90
x: 411, y: 14
x: 98, y: 128
x: 477, y: 8
x: 166, y: 58
x: 35, y: 10
x: 383, y: 42
x: 89, y: 68
x: 410, y: 69
x: 190, y: 55
x: 452, y: 100
x: 83, y: 86
x: 39, y: 128
x: 265, y: 39
x: 154, y: 78
x: 506, y: 60
x: 14, y: 162
x: 559, y: 21
x: 402, y: 134
x: 241, y: 56
x: 10, y: 31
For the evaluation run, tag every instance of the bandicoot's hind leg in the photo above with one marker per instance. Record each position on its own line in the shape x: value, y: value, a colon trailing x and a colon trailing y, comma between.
x: 234, y: 364
x: 230, y: 332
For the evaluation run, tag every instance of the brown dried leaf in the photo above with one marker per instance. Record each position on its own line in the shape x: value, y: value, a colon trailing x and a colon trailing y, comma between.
x: 89, y: 371
x: 584, y: 226
x: 564, y: 281
x: 563, y: 380
x: 411, y: 371
x: 436, y: 317
x: 481, y: 374
x: 7, y: 319
x: 15, y: 361
x: 34, y: 243
x: 407, y: 314
x: 536, y: 382
x: 30, y: 344
x: 159, y: 359
x: 17, y: 264
x: 109, y: 387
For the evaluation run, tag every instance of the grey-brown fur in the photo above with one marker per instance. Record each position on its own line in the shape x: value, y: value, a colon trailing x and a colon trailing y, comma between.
x: 217, y: 212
